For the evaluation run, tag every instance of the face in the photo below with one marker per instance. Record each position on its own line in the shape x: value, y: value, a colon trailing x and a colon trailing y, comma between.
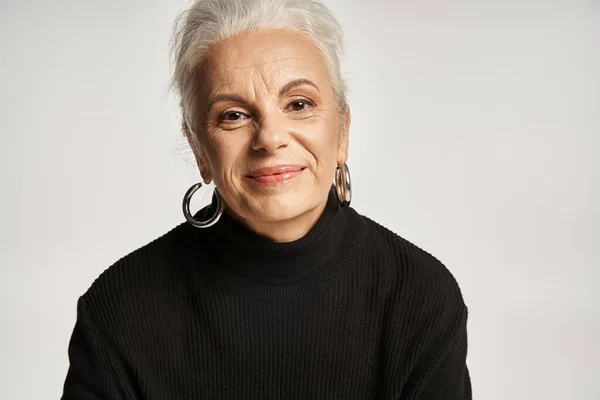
x: 269, y: 133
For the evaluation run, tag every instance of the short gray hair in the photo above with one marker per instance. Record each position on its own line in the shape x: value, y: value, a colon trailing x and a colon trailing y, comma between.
x: 208, y: 21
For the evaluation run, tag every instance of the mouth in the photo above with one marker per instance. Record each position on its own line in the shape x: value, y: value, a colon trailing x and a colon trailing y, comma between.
x: 275, y: 175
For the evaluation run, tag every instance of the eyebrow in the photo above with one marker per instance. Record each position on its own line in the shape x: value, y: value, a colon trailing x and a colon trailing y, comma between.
x: 225, y: 97
x: 238, y: 99
x: 298, y: 82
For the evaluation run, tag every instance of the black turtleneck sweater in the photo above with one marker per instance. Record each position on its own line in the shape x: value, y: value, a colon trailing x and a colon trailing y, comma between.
x: 350, y: 311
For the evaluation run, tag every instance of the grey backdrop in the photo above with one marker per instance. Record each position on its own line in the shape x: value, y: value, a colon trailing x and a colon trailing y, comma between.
x: 475, y: 131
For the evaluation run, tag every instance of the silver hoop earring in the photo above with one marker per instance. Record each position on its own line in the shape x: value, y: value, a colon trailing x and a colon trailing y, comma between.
x: 343, y: 185
x: 188, y: 215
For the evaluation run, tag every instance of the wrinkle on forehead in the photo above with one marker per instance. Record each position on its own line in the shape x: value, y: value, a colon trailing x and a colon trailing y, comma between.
x: 233, y: 79
x: 229, y: 63
x: 216, y: 76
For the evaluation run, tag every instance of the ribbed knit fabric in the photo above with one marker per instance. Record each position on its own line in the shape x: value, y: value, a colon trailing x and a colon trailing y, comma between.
x: 350, y: 311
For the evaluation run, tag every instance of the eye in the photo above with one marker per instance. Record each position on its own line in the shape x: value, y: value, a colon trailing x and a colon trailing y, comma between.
x: 233, y: 116
x: 300, y: 105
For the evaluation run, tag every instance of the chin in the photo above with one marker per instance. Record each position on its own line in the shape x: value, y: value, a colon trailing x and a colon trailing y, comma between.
x: 282, y: 206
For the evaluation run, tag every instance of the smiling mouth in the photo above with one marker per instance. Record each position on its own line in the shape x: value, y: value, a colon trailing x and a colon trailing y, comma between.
x: 275, y: 175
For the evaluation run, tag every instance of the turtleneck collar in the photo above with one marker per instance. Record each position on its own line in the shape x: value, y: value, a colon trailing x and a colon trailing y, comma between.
x: 259, y: 258
x: 232, y: 257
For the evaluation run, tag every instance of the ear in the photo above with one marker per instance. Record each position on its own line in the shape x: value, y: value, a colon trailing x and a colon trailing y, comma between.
x: 201, y: 158
x: 344, y: 136
x: 204, y: 170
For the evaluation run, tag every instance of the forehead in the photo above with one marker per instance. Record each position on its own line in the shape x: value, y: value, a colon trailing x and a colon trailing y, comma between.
x: 272, y: 56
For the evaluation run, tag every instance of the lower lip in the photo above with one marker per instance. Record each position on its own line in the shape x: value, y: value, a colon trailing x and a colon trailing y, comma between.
x: 276, y: 179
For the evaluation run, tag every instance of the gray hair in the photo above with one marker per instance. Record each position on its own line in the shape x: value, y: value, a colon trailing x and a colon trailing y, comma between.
x: 208, y: 21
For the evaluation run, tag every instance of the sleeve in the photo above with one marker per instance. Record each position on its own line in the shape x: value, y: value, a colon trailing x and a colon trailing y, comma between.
x: 89, y: 376
x: 442, y: 373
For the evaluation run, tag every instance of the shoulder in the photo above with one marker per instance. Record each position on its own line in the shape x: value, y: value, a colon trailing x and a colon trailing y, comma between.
x: 142, y: 275
x: 423, y: 307
x: 412, y: 273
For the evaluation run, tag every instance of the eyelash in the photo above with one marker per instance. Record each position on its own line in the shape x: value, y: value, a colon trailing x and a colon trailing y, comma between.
x: 307, y: 103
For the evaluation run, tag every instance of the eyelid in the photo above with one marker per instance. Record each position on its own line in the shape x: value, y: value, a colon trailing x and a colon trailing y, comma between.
x: 300, y: 97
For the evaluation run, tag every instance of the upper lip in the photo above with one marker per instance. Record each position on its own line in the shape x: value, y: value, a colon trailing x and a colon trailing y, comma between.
x: 275, y: 170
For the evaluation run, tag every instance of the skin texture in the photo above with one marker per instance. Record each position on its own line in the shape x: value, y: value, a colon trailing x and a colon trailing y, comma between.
x: 265, y: 99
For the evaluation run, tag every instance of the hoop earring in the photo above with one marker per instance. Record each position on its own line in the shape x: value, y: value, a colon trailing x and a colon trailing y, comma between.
x: 188, y: 215
x: 343, y: 185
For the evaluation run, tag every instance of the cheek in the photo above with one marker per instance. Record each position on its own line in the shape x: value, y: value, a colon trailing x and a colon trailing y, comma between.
x: 225, y: 150
x: 320, y: 139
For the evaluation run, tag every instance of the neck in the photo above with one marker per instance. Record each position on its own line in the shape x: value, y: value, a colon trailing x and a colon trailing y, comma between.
x: 287, y: 230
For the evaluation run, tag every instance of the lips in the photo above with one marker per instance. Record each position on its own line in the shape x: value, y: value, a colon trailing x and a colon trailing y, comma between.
x: 275, y: 175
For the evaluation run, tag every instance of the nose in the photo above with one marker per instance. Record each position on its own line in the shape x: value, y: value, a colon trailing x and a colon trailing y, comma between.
x: 271, y: 135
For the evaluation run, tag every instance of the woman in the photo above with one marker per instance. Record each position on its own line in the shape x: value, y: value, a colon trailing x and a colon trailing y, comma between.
x: 278, y: 289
